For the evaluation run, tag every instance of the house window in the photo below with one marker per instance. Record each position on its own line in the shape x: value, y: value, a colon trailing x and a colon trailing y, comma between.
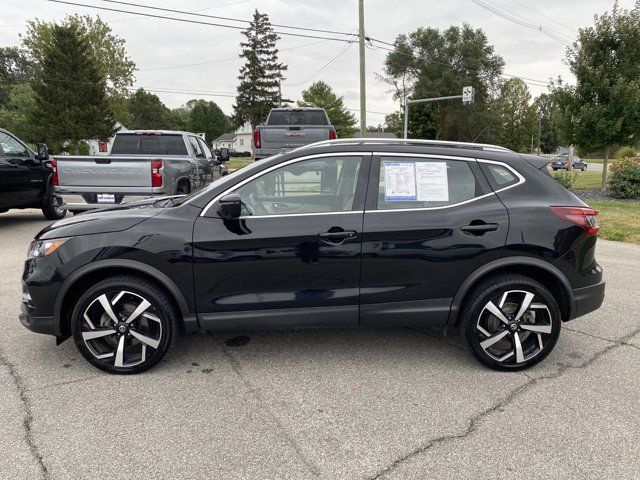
x: 242, y: 142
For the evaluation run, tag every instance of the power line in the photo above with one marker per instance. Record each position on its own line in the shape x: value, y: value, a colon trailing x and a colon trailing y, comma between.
x: 120, y: 20
x: 217, y: 17
x: 223, y: 60
x: 556, y: 36
x: 198, y: 22
x: 546, y: 16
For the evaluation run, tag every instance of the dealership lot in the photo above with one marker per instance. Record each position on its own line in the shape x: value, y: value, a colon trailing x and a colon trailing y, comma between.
x: 374, y: 403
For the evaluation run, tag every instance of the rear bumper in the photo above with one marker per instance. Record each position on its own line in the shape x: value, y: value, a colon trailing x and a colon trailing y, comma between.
x: 76, y: 201
x: 587, y: 299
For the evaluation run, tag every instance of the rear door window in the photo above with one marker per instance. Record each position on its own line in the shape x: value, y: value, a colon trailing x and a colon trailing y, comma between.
x: 417, y: 182
x: 148, y: 144
x: 307, y: 117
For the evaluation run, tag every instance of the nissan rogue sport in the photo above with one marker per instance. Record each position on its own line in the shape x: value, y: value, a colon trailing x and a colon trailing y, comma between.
x: 341, y: 233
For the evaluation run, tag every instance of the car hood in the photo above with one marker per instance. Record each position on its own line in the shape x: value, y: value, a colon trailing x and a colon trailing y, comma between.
x: 104, y: 220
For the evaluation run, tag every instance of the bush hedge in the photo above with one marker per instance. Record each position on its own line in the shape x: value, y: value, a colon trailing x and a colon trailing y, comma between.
x: 624, y: 180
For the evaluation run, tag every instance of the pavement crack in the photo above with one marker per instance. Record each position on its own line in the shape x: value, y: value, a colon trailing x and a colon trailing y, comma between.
x: 27, y: 419
x: 235, y: 366
x: 476, y: 420
x: 623, y: 341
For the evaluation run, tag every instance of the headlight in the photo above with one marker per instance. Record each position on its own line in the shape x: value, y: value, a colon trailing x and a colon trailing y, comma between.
x: 42, y: 248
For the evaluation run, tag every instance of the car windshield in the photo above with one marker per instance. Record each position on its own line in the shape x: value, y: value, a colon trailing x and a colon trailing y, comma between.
x: 226, y: 180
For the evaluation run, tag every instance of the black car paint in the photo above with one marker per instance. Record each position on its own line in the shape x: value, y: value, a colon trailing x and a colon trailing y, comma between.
x: 25, y: 181
x: 407, y: 269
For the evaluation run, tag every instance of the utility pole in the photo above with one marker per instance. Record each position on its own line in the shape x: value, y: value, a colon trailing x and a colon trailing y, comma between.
x: 363, y: 92
x: 539, y: 133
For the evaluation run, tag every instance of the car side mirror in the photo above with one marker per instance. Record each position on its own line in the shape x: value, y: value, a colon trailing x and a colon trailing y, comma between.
x: 230, y: 206
x: 224, y: 154
x: 43, y: 152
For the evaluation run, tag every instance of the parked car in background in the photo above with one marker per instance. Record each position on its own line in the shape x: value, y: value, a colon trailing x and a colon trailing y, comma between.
x: 289, y: 128
x: 26, y: 178
x: 142, y: 163
x: 349, y: 233
x: 560, y: 162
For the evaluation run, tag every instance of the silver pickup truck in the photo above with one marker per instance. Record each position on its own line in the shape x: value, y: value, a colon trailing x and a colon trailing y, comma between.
x: 142, y: 164
x: 289, y: 128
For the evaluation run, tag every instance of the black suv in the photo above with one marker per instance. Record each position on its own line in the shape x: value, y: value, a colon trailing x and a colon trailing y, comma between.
x: 340, y: 233
x: 26, y: 178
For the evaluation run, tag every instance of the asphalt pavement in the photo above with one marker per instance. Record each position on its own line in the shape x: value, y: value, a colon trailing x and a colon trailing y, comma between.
x: 389, y: 403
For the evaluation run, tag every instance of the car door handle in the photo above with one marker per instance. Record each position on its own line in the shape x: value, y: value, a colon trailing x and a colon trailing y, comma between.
x: 479, y: 228
x: 337, y: 238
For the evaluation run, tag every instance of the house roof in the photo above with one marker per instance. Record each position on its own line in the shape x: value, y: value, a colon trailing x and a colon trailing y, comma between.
x: 226, y: 137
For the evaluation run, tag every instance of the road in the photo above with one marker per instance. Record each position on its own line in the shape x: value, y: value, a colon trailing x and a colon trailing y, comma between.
x: 331, y: 404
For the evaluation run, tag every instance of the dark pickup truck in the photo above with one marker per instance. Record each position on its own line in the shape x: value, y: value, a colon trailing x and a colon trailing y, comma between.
x: 26, y: 178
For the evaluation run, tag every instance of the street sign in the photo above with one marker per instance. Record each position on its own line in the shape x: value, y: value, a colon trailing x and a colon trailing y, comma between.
x: 468, y: 94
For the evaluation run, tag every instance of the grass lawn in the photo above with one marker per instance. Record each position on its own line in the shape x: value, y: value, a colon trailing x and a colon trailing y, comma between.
x: 619, y: 221
x: 235, y: 163
x: 587, y: 180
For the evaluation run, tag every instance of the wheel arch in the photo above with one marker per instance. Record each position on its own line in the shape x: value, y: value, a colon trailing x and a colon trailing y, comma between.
x: 539, y: 270
x: 76, y: 283
x: 179, y: 180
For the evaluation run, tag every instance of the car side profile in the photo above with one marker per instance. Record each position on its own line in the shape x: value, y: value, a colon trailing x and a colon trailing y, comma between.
x: 342, y: 233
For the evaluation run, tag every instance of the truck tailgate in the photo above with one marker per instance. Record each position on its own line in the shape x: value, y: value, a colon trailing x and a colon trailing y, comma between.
x: 105, y: 171
x: 277, y: 137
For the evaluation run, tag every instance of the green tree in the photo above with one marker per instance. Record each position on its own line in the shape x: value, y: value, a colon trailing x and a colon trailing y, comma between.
x: 149, y: 113
x: 258, y: 91
x: 108, y: 51
x: 70, y: 91
x: 516, y: 117
x: 205, y: 117
x: 433, y: 63
x: 547, y: 112
x: 17, y: 114
x: 14, y: 68
x: 603, y: 108
x: 321, y: 95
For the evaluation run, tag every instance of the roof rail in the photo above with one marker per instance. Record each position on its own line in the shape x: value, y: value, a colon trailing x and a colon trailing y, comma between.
x: 411, y: 141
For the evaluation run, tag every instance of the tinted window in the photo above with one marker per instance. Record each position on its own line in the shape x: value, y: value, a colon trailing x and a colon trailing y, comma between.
x: 12, y: 147
x: 498, y: 175
x: 407, y: 182
x: 307, y: 117
x: 140, y: 144
x: 310, y: 186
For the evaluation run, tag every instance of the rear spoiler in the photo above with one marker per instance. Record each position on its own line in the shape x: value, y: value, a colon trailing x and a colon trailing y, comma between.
x: 536, y: 161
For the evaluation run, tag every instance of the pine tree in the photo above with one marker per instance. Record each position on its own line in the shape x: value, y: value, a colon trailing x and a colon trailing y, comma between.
x: 258, y: 90
x: 70, y: 92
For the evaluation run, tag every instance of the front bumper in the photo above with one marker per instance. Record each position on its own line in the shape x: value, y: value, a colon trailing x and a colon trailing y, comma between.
x: 587, y: 299
x: 47, y: 324
x: 76, y: 201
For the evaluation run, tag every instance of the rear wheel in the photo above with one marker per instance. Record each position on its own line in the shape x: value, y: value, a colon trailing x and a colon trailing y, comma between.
x: 52, y: 212
x: 124, y: 324
x: 511, y: 322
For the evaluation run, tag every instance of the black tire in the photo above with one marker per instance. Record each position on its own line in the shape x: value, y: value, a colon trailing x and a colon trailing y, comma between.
x: 53, y: 213
x: 183, y: 188
x: 153, y: 329
x: 495, y: 342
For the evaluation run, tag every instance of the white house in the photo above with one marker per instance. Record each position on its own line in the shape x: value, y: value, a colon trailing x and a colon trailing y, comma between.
x: 239, y: 141
x: 98, y: 147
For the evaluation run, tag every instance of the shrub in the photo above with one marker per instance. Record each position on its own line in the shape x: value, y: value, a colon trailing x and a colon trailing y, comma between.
x: 565, y: 178
x: 624, y: 152
x: 624, y: 181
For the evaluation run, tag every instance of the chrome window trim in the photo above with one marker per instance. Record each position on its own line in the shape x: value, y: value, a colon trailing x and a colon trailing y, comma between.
x: 274, y: 167
x: 314, y: 214
x: 521, y: 180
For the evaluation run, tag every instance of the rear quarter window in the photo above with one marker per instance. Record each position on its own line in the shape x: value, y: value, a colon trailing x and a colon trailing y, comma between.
x: 498, y: 176
x: 140, y: 144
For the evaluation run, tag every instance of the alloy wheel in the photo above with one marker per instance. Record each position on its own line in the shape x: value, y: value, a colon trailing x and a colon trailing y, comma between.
x: 514, y: 327
x: 119, y: 327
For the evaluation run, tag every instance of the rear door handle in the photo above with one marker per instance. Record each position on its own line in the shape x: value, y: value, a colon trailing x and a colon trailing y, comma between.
x: 480, y: 228
x: 336, y: 238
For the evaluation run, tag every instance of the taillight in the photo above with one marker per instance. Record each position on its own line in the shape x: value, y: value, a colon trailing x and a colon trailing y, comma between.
x: 55, y: 181
x: 332, y: 134
x: 256, y: 139
x: 156, y: 173
x: 583, y: 216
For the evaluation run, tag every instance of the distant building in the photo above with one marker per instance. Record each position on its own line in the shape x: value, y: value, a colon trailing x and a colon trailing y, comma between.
x: 239, y: 141
x: 100, y: 147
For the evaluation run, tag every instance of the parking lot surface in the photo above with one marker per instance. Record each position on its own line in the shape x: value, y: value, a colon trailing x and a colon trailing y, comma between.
x: 338, y: 404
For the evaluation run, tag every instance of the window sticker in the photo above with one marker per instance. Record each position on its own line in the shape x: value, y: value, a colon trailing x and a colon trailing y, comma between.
x: 433, y: 185
x: 399, y: 181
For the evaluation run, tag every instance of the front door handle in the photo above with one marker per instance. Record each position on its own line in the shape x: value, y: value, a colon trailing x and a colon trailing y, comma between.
x: 479, y: 228
x: 336, y: 238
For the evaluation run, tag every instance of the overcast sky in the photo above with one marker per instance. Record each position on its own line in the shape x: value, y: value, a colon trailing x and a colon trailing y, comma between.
x: 156, y: 43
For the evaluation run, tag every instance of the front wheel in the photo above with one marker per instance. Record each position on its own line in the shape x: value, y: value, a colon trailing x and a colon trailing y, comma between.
x: 511, y: 322
x: 124, y: 324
